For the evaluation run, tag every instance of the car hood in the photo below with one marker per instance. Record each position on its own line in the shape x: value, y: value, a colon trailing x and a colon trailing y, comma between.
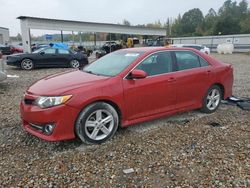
x: 20, y: 55
x: 61, y: 83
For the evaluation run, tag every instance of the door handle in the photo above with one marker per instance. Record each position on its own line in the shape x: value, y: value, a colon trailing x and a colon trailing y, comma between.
x: 171, y: 79
x: 209, y: 71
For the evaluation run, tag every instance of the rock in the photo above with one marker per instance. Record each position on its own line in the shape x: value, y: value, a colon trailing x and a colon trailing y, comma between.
x: 128, y: 171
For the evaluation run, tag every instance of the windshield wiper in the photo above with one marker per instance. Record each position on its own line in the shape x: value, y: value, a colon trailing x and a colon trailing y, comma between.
x: 90, y: 72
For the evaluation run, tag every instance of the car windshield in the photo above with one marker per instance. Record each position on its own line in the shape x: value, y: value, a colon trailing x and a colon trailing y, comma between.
x: 112, y: 64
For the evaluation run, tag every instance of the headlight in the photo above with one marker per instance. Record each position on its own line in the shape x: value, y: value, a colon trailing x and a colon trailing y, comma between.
x: 46, y: 102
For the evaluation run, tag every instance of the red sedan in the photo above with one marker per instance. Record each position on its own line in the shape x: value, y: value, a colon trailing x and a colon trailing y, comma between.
x: 123, y: 88
x: 16, y: 49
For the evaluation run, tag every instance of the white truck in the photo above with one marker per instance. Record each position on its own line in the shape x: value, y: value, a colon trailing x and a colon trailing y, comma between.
x: 3, y: 74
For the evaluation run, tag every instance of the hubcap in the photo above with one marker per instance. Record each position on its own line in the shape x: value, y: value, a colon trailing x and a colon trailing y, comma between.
x: 75, y: 63
x: 27, y: 64
x: 213, y: 99
x: 99, y: 124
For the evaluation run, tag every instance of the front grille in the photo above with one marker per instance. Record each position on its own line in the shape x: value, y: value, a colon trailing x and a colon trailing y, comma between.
x: 29, y: 101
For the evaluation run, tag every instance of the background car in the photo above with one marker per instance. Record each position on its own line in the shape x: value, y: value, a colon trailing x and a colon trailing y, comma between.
x: 48, y: 57
x: 3, y: 74
x: 108, y: 47
x: 123, y: 88
x: 36, y: 46
x: 201, y: 48
x: 16, y: 49
x: 5, y: 49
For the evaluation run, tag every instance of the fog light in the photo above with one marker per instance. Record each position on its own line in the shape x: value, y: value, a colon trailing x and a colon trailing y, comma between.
x: 48, y: 129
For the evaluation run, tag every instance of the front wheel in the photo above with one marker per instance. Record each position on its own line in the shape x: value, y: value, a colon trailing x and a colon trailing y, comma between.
x: 97, y: 123
x: 212, y: 99
x: 74, y: 63
x: 27, y: 64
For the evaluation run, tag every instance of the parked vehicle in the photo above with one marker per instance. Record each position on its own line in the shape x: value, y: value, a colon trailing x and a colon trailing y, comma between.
x: 131, y: 42
x: 5, y: 49
x: 201, y: 48
x: 123, y: 88
x: 3, y: 74
x: 35, y: 46
x: 108, y: 47
x: 48, y: 57
x: 16, y: 49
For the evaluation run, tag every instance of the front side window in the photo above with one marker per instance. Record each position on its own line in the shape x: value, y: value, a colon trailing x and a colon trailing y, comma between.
x: 113, y: 63
x: 186, y: 60
x: 158, y: 63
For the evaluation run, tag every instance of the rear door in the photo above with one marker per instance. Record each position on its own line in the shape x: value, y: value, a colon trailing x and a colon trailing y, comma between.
x: 64, y: 57
x: 192, y: 77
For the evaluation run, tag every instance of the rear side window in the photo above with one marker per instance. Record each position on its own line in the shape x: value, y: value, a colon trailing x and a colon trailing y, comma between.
x: 156, y: 64
x: 62, y: 51
x: 186, y: 60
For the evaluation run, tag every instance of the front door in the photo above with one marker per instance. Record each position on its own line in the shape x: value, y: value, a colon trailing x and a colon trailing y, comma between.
x: 47, y: 57
x: 154, y: 94
x: 64, y: 57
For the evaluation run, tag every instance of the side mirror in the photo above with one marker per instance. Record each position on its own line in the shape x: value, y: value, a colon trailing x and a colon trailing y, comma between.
x: 138, y: 74
x: 42, y: 53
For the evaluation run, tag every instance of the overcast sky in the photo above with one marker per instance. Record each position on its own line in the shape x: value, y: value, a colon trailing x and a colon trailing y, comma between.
x: 108, y: 11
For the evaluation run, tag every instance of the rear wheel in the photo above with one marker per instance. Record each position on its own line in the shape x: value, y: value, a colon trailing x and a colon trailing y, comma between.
x: 74, y: 63
x: 212, y: 99
x: 97, y: 123
x: 27, y: 64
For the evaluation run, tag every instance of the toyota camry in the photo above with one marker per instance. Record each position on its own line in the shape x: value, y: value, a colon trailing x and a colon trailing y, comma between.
x: 124, y: 88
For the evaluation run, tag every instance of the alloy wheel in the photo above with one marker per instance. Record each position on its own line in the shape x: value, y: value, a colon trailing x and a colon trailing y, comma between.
x: 75, y: 64
x: 99, y: 124
x: 213, y: 99
x: 27, y: 64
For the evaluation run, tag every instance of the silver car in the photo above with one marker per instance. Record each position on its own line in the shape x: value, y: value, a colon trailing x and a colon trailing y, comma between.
x: 3, y: 74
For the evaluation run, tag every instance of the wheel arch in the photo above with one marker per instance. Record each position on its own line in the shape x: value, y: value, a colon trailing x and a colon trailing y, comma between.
x: 221, y: 86
x: 27, y: 58
x: 108, y: 101
x: 114, y: 105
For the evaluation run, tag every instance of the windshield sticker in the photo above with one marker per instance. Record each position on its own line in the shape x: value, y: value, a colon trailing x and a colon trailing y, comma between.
x: 132, y: 55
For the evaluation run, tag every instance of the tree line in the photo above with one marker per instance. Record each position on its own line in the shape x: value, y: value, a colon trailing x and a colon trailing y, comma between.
x: 231, y: 18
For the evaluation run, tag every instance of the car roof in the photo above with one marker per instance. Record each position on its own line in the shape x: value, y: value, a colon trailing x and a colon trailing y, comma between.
x: 187, y: 45
x: 155, y: 49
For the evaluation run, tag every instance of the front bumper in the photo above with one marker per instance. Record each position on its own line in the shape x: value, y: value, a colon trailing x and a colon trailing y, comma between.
x: 62, y: 116
x: 13, y: 62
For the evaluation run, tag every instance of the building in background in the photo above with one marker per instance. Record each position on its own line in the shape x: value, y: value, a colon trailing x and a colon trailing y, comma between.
x: 4, y: 35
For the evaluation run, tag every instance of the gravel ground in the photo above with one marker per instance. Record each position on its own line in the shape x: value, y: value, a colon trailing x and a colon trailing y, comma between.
x: 187, y: 150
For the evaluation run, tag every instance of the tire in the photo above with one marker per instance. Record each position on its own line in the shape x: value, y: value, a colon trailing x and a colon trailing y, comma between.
x: 74, y: 63
x: 97, y: 55
x: 27, y: 64
x: 212, y: 99
x: 97, y: 123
